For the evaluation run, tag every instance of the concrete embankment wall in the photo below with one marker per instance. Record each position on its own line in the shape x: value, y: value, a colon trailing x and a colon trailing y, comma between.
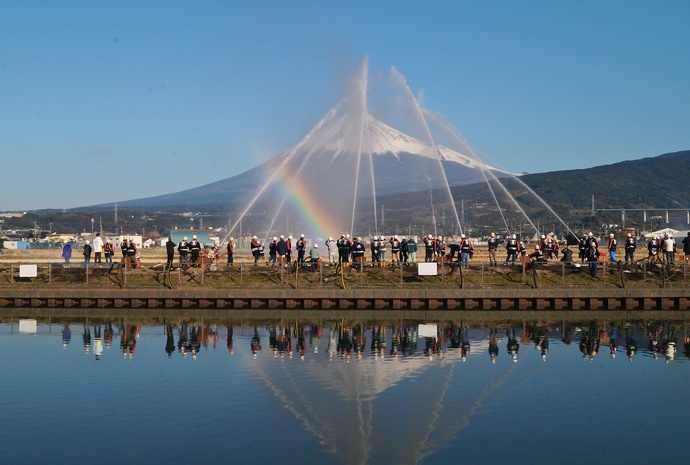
x: 388, y: 302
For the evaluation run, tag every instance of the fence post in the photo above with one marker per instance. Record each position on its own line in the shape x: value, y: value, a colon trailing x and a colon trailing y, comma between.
x: 87, y: 273
x: 482, y: 273
x: 644, y: 272
x: 12, y: 273
x: 401, y: 274
x: 50, y: 273
x: 562, y: 273
x: 320, y: 272
x: 203, y: 265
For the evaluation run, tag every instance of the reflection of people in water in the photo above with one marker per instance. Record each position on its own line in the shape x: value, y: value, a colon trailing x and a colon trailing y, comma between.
x: 431, y: 347
x: 594, y: 340
x: 183, y: 333
x: 108, y: 334
x: 209, y: 335
x: 359, y: 341
x: 87, y: 338
x: 97, y: 342
x: 230, y: 340
x: 255, y: 344
x: 345, y: 343
x: 332, y: 342
x: 169, y: 340
x: 540, y: 336
x: 396, y: 341
x: 653, y: 336
x: 465, y: 343
x: 545, y: 345
x: 613, y: 340
x: 568, y: 333
x: 66, y: 335
x: 493, y: 344
x: 378, y: 341
x: 194, y: 344
x: 128, y: 342
x: 668, y: 342
x: 454, y: 337
x: 589, y: 342
x: 409, y: 340
x: 513, y: 344
x: 315, y: 337
x: 630, y: 343
x: 301, y: 342
x: 283, y: 343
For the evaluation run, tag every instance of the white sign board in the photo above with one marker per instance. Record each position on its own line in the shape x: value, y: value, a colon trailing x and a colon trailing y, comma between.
x: 27, y: 326
x: 427, y: 330
x: 427, y: 269
x: 28, y: 271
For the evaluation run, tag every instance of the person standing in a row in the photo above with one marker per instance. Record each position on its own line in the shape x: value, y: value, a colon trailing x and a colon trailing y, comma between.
x: 231, y: 250
x: 170, y: 250
x: 97, y: 248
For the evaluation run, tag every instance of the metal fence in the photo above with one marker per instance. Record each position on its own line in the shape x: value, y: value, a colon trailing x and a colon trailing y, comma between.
x: 351, y: 275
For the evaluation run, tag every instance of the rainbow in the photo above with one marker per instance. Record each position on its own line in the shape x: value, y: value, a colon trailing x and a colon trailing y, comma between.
x: 320, y: 219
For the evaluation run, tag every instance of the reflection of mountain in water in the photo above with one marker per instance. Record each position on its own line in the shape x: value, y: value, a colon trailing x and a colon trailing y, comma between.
x: 348, y: 407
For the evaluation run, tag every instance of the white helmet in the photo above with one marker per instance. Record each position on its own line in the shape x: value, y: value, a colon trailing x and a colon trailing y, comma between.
x: 301, y: 236
x: 275, y: 238
x: 513, y: 236
x: 252, y: 238
x: 282, y: 237
x: 330, y: 238
x: 316, y: 246
x: 185, y: 238
x: 462, y: 236
x: 193, y: 237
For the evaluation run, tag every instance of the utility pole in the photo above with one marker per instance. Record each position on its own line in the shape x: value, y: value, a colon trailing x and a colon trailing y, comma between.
x: 593, y: 212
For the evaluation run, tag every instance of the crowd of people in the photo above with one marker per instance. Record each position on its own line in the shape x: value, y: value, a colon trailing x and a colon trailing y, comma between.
x: 395, y: 250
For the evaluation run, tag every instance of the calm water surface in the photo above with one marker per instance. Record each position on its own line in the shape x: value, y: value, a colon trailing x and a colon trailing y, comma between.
x: 105, y: 391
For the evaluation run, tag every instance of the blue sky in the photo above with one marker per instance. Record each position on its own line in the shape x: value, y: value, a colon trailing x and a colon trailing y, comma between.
x: 107, y: 101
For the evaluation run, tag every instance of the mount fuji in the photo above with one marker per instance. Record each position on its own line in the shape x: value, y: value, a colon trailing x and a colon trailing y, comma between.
x: 333, y: 156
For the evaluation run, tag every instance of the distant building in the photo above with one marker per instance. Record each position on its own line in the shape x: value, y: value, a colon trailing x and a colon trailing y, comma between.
x: 55, y: 237
x: 17, y: 245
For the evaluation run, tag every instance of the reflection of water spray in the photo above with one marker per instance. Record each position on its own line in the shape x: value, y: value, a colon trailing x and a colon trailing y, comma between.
x: 422, y: 120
